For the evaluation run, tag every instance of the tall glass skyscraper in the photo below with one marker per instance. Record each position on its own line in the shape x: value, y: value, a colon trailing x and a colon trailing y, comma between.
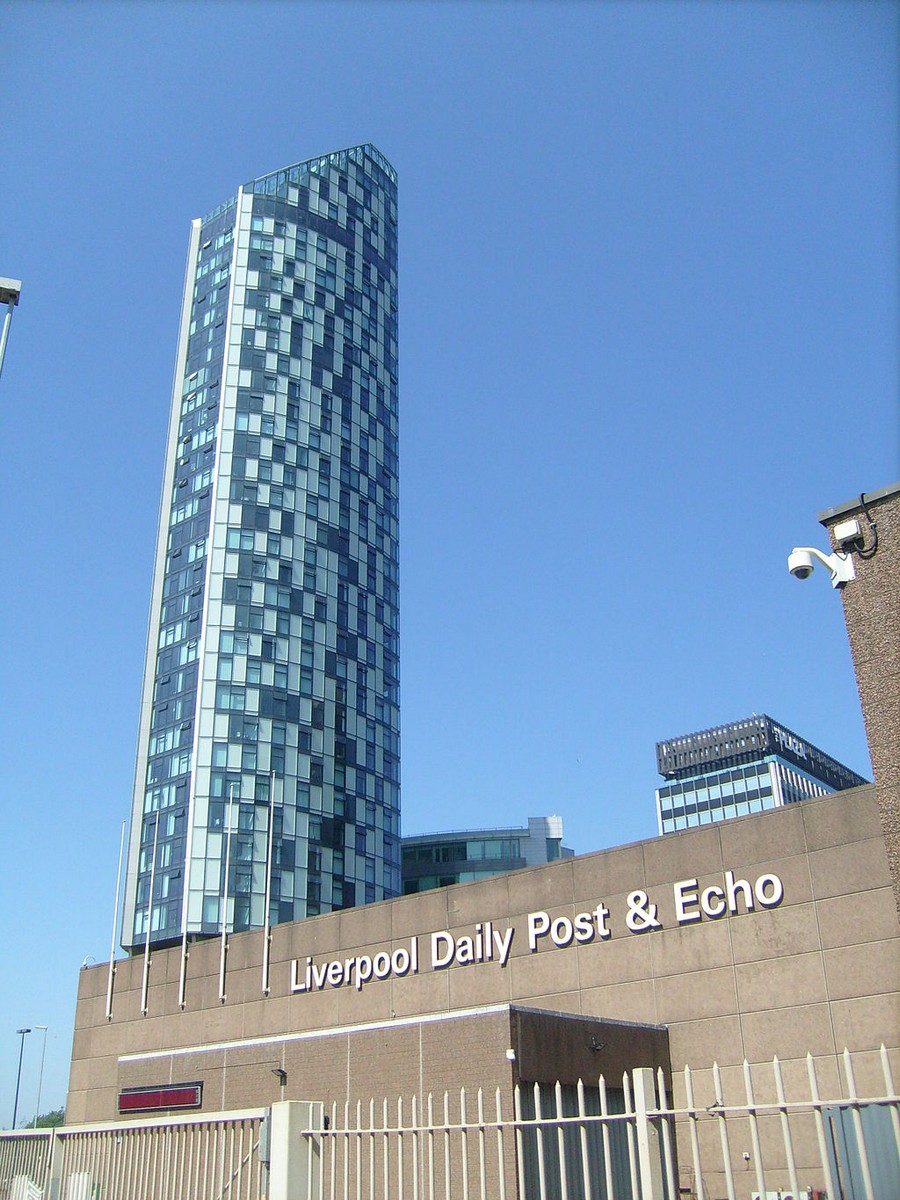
x: 268, y: 755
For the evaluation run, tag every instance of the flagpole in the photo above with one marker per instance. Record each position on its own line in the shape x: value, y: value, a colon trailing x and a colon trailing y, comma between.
x: 112, y: 947
x: 146, y: 980
x: 182, y: 978
x: 268, y: 923
x: 225, y: 896
x: 185, y: 906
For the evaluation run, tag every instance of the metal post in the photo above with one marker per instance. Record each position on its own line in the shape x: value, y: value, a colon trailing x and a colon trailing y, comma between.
x: 37, y: 1107
x: 224, y: 945
x: 820, y: 1125
x: 146, y: 977
x: 857, y: 1126
x: 9, y: 295
x: 267, y: 924
x: 647, y: 1134
x: 21, y: 1033
x: 785, y: 1127
x: 115, y: 925
x: 719, y: 1109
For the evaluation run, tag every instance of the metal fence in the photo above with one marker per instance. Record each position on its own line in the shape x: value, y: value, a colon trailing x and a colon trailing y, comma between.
x: 802, y: 1132
x: 634, y: 1142
x: 179, y: 1158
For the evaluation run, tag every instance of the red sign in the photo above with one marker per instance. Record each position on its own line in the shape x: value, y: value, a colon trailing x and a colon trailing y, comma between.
x: 151, y: 1099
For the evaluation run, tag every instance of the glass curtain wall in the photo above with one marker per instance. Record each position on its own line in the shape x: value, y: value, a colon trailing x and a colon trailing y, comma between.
x: 271, y: 687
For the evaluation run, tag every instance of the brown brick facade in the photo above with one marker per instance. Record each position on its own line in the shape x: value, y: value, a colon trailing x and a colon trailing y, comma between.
x: 816, y: 971
x: 872, y: 613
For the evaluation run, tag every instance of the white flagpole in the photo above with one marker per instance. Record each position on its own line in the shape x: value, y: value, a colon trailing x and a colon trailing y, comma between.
x: 185, y: 904
x: 182, y: 978
x: 112, y: 946
x: 268, y: 923
x: 144, y: 1002
x: 225, y: 896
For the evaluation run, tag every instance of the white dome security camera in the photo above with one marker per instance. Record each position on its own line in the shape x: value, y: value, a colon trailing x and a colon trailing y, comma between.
x: 800, y: 564
x: 802, y: 559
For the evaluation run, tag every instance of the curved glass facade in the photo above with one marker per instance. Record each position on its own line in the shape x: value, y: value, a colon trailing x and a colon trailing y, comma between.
x: 271, y: 688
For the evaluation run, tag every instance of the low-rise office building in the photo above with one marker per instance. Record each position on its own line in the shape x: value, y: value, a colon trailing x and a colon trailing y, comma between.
x: 432, y: 860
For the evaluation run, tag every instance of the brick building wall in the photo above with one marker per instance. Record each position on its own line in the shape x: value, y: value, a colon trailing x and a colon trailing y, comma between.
x: 872, y: 614
x: 815, y: 972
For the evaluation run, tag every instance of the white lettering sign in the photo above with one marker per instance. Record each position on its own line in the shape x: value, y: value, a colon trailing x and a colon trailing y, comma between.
x: 312, y: 977
x: 485, y: 943
x: 789, y: 741
x: 737, y: 895
x: 584, y: 928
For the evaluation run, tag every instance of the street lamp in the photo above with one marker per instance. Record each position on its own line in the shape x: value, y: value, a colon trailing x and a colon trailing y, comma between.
x: 9, y: 295
x: 22, y: 1033
x: 37, y: 1110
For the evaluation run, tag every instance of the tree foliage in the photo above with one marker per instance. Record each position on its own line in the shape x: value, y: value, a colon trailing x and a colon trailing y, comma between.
x: 48, y: 1120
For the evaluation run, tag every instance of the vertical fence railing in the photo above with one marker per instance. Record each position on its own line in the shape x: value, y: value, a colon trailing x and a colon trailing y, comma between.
x: 191, y: 1158
x: 723, y: 1132
x: 846, y: 1146
x: 24, y: 1157
x: 601, y: 1141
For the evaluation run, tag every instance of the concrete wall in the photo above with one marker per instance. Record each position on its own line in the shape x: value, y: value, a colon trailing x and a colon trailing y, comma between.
x: 817, y: 972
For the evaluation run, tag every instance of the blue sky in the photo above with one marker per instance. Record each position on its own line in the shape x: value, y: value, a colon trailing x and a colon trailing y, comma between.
x: 649, y: 308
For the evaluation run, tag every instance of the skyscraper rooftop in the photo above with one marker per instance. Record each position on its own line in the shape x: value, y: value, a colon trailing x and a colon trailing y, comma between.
x: 740, y: 768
